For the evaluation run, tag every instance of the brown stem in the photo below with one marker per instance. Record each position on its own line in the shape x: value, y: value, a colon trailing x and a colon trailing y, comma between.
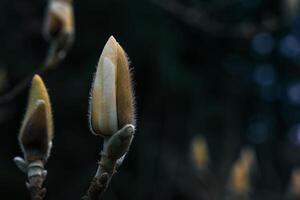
x: 36, y: 190
x: 98, y: 187
x: 114, y: 150
x: 101, y: 180
x: 36, y: 176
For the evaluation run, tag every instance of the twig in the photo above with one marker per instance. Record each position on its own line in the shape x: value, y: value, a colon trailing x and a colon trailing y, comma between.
x: 36, y: 176
x: 114, y: 150
x: 98, y: 185
x: 35, y: 187
x: 57, y: 52
x: 200, y: 20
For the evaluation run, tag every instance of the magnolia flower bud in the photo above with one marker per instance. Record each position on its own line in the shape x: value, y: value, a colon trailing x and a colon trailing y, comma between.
x: 111, y: 105
x: 59, y: 18
x: 37, y: 128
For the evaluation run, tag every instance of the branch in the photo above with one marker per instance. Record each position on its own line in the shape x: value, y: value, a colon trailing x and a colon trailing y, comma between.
x: 113, y: 153
x: 36, y: 176
x: 200, y: 20
x: 56, y: 53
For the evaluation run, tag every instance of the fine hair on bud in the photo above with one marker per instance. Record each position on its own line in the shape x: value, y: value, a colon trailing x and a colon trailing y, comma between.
x: 112, y: 101
x: 37, y: 128
x: 125, y: 97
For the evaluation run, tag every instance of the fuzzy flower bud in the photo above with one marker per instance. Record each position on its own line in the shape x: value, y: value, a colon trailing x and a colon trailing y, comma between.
x: 111, y: 105
x: 37, y: 128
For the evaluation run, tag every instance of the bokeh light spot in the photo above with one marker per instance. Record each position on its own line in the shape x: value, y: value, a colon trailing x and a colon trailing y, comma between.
x: 270, y: 92
x: 294, y: 93
x: 290, y: 46
x: 257, y: 132
x: 263, y: 43
x: 294, y: 134
x: 264, y: 75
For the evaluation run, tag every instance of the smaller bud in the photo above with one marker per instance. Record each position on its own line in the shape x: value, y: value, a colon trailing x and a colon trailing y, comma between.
x: 111, y: 105
x: 37, y: 128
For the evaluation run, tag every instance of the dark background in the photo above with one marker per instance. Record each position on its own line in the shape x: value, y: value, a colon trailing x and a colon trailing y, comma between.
x: 227, y: 70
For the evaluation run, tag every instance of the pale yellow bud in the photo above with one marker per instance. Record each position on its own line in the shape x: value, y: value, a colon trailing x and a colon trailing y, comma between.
x: 37, y: 128
x: 111, y: 105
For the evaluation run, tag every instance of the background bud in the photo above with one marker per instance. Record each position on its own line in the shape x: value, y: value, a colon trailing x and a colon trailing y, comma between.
x: 59, y: 19
x: 199, y: 152
x: 241, y: 172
